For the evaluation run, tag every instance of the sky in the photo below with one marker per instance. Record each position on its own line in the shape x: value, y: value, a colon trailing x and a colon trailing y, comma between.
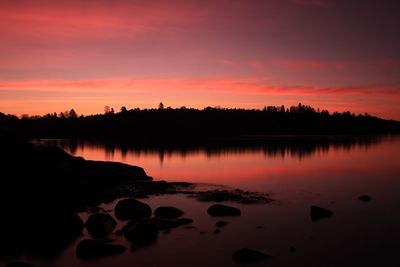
x: 340, y: 55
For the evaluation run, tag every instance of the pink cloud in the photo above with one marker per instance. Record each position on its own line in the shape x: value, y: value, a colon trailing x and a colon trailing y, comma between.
x: 63, y: 22
x: 256, y: 65
x: 230, y: 64
x: 317, y: 3
x: 313, y: 64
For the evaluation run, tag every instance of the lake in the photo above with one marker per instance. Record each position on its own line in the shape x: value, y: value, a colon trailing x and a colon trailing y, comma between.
x: 297, y: 172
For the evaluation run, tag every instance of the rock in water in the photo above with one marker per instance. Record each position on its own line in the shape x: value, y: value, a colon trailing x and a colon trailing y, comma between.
x: 223, y: 210
x: 130, y: 208
x: 100, y: 225
x: 141, y: 233
x: 167, y: 212
x: 246, y: 255
x: 365, y: 198
x: 92, y: 249
x: 164, y: 224
x: 318, y: 213
x: 221, y: 223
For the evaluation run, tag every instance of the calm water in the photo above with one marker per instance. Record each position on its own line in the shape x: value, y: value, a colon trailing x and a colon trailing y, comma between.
x: 298, y: 174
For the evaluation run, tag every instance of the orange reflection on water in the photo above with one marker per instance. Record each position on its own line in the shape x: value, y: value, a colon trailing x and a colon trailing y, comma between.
x: 259, y: 168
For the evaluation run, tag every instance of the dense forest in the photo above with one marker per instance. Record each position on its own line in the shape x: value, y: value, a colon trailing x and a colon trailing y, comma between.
x: 188, y: 124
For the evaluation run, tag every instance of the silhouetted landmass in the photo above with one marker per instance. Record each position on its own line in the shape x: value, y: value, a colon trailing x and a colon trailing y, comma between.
x: 42, y: 188
x: 188, y: 125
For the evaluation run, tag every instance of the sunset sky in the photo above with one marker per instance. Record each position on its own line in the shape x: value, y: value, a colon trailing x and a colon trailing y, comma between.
x: 84, y: 54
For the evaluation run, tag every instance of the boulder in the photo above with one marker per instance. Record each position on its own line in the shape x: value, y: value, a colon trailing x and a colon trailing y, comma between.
x: 246, y: 255
x: 131, y: 208
x: 317, y: 213
x: 92, y: 249
x: 223, y: 210
x: 141, y: 233
x: 167, y: 212
x: 100, y: 225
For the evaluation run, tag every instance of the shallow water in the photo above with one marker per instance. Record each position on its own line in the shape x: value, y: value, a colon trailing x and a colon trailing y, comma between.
x: 330, y: 174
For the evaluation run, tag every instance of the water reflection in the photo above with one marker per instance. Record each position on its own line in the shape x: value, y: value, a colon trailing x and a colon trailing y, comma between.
x: 299, y: 147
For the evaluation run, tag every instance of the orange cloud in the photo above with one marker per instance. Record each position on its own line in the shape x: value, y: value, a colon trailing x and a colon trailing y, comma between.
x: 89, y: 96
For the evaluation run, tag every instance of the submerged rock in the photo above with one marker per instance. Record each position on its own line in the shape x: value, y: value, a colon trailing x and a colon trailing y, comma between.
x: 141, y: 233
x: 167, y: 212
x: 168, y: 224
x: 131, y: 208
x: 95, y: 209
x: 221, y: 223
x: 246, y: 255
x: 92, y: 249
x: 237, y: 195
x: 318, y: 213
x: 100, y: 225
x: 365, y: 198
x: 223, y: 210
x: 19, y: 264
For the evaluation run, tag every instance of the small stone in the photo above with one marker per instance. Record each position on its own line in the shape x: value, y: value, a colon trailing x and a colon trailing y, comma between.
x: 223, y: 210
x: 245, y: 255
x: 317, y: 213
x: 365, y: 198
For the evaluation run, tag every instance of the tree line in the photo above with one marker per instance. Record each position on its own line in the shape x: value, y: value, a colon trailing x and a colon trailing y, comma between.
x: 185, y: 124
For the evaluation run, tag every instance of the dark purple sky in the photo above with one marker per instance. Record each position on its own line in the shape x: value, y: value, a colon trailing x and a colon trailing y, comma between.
x: 339, y: 55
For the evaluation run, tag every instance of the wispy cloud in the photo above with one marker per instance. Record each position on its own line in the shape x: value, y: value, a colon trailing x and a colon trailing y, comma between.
x: 316, y: 3
x: 256, y: 65
x: 230, y: 64
x: 312, y: 64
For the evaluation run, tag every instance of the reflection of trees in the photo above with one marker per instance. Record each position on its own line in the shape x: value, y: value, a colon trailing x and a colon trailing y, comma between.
x: 274, y: 147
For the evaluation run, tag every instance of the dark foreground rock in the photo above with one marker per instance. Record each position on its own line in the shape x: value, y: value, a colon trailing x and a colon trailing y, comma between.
x: 246, y: 255
x: 223, y: 210
x: 317, y: 213
x: 19, y: 264
x: 365, y: 198
x: 167, y: 212
x: 100, y: 225
x: 92, y: 249
x: 131, y: 208
x: 141, y: 233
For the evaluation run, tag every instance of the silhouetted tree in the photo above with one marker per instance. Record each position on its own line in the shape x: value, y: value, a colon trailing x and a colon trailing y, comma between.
x: 107, y: 109
x: 123, y: 109
x: 161, y: 105
x: 72, y: 114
